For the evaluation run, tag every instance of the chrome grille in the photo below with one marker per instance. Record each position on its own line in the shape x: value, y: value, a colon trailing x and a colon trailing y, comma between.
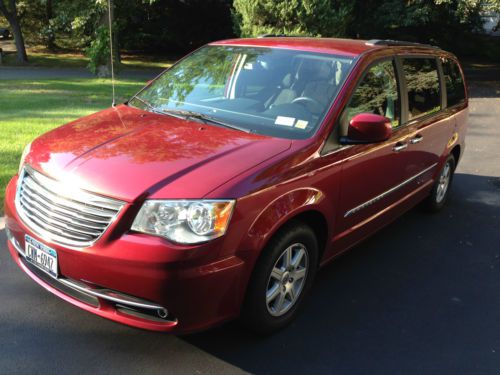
x: 60, y: 213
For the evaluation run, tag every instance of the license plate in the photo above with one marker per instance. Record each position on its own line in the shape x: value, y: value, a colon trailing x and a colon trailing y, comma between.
x: 41, y: 256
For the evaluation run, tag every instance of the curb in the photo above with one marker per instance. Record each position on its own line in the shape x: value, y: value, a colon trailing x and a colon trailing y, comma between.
x: 2, y: 223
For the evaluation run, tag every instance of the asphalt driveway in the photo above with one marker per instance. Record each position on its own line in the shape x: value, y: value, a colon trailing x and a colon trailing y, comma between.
x: 421, y: 296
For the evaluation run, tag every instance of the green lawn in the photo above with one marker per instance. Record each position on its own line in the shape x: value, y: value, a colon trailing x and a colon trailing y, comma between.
x: 30, y: 108
x: 41, y: 58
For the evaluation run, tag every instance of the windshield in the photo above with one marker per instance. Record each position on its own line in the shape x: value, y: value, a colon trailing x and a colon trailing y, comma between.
x: 276, y: 92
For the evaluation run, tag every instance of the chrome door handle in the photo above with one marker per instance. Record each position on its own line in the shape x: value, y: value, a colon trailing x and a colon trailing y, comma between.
x: 399, y: 146
x: 418, y: 138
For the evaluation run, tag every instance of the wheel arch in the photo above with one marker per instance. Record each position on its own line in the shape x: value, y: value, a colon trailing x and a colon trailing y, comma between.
x: 456, y: 152
x: 303, y: 205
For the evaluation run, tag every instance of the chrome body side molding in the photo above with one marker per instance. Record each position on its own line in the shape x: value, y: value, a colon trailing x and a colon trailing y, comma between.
x: 386, y: 193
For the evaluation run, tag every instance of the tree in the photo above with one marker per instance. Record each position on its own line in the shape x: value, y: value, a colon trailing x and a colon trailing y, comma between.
x: 161, y: 26
x: 9, y: 10
x: 50, y: 37
x: 99, y: 49
x: 428, y: 21
x: 292, y: 17
x: 37, y: 21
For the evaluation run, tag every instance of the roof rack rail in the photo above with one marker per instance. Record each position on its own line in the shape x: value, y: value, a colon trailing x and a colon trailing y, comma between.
x: 391, y: 43
x: 272, y: 36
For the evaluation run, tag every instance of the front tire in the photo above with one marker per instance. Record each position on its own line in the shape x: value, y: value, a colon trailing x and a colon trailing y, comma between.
x: 441, y: 189
x: 282, y: 278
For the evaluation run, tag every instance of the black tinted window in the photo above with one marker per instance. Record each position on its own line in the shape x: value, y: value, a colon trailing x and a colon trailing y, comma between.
x: 455, y: 89
x: 377, y: 93
x: 422, y: 82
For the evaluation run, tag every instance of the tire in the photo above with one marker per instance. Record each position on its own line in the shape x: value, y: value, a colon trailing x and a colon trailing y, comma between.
x: 6, y: 34
x: 269, y: 303
x: 441, y: 189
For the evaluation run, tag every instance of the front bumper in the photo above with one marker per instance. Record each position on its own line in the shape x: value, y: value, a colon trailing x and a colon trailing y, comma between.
x: 134, y: 279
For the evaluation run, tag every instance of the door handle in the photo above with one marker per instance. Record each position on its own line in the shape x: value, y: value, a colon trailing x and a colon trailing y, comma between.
x: 418, y: 138
x: 399, y: 146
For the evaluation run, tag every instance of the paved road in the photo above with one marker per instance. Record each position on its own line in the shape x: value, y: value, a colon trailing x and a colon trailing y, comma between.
x: 421, y: 296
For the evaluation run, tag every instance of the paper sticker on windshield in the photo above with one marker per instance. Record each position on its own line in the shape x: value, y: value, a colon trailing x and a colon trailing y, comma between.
x: 285, y: 121
x: 301, y: 124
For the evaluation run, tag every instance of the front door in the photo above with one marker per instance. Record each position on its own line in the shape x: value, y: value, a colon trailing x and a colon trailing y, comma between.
x: 374, y: 176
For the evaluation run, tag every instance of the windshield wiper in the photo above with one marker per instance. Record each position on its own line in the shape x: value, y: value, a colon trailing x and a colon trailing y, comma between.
x: 148, y: 105
x: 207, y: 119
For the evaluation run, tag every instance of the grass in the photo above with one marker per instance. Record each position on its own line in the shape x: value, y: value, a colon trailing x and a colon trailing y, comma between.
x: 30, y: 108
x: 41, y: 58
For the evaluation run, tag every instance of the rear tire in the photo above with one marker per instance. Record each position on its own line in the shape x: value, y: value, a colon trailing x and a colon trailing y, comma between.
x: 281, y: 279
x: 441, y: 189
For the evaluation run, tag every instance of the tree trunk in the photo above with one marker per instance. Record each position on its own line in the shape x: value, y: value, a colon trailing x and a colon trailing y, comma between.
x: 51, y: 38
x: 22, y: 57
x: 116, y: 46
x: 12, y: 18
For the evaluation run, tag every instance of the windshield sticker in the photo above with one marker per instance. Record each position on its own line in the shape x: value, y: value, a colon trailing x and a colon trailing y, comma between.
x: 301, y: 124
x: 285, y: 121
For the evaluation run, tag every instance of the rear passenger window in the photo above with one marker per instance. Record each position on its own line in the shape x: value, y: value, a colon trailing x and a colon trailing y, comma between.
x: 376, y: 93
x: 455, y: 89
x: 422, y: 83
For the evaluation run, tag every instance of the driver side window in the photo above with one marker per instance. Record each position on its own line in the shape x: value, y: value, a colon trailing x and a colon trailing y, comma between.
x: 377, y: 93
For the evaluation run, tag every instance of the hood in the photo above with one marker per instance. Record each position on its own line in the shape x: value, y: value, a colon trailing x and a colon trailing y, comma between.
x: 124, y: 153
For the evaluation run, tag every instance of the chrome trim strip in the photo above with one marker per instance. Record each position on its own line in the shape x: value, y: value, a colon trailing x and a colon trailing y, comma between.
x: 106, y: 294
x: 63, y: 215
x: 36, y: 186
x: 386, y: 193
x: 110, y: 295
x: 70, y: 193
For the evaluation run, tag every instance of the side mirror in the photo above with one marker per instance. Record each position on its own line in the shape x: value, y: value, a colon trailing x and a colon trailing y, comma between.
x: 367, y: 128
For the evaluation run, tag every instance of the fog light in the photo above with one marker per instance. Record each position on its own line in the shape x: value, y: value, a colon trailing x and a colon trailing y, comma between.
x: 162, y: 313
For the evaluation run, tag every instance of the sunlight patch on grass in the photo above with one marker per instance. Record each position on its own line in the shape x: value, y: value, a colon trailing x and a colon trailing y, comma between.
x: 76, y: 60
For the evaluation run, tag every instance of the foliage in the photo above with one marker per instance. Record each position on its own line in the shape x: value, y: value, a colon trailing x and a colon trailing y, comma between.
x: 450, y: 24
x: 174, y: 27
x: 98, y: 52
x: 292, y: 17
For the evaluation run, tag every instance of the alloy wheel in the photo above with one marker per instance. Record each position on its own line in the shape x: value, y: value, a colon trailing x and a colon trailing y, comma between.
x: 444, y: 182
x: 287, y: 279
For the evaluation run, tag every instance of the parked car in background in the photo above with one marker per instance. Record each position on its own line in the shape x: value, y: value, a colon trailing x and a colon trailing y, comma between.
x: 4, y: 33
x: 221, y: 187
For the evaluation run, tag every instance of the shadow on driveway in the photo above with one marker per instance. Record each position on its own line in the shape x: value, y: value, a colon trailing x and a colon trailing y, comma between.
x: 421, y: 296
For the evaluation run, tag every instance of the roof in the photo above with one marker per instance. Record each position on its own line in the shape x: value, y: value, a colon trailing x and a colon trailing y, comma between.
x: 346, y: 47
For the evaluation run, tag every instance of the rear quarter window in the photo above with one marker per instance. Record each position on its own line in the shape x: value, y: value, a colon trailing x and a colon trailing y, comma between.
x: 455, y: 88
x: 422, y: 83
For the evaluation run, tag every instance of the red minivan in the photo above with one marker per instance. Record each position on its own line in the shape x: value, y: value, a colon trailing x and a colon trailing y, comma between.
x: 221, y: 187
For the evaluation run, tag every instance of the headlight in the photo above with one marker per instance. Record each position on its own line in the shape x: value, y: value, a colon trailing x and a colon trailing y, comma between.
x: 184, y: 221
x: 25, y: 153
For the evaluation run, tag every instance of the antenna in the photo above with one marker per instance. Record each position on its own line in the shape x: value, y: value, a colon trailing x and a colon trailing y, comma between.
x: 111, y: 51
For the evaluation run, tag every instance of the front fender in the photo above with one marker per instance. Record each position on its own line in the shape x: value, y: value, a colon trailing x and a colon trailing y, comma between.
x: 282, y: 209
